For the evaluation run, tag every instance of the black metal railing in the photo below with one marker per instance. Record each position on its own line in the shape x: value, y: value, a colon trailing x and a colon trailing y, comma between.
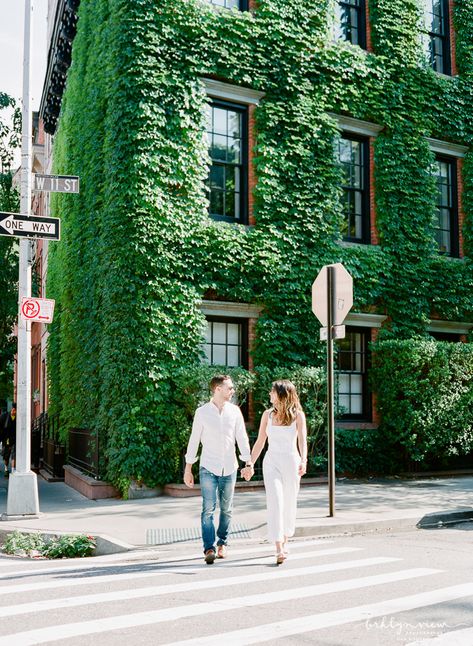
x: 47, y: 449
x: 83, y: 451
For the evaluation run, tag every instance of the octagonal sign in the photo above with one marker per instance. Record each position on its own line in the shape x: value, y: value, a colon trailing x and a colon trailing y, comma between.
x: 342, y: 294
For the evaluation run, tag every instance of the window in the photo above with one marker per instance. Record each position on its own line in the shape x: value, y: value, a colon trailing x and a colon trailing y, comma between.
x: 446, y: 220
x: 352, y: 385
x: 226, y: 342
x: 353, y: 153
x: 229, y: 4
x: 446, y: 336
x: 350, y: 22
x: 227, y: 138
x: 437, y: 37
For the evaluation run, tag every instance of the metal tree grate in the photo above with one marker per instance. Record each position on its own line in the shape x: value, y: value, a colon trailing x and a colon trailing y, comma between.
x: 186, y: 534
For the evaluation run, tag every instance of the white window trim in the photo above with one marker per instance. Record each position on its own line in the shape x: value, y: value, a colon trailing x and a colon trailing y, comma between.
x: 449, y: 327
x: 230, y: 309
x: 361, y: 319
x: 229, y: 92
x: 356, y: 126
x: 447, y: 148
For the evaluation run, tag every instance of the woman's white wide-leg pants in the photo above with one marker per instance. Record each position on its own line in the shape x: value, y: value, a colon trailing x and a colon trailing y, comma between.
x: 281, y: 482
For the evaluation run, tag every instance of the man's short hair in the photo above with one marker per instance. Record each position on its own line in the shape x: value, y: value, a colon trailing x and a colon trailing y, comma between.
x: 13, y: 405
x: 217, y: 380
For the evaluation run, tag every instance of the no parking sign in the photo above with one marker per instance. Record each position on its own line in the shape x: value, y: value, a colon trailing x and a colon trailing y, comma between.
x: 37, y: 309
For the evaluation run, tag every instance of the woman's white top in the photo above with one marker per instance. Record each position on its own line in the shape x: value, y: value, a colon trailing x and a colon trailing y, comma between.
x: 281, y: 439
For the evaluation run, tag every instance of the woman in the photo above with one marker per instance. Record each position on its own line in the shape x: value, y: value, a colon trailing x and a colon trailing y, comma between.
x: 285, y: 462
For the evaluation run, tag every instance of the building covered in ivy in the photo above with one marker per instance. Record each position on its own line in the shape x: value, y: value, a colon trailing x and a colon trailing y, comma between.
x: 227, y: 150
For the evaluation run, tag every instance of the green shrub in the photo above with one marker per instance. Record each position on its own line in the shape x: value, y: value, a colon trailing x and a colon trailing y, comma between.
x: 424, y: 394
x: 55, y: 547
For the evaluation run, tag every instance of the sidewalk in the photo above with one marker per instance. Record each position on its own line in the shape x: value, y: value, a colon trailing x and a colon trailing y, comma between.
x: 360, y: 506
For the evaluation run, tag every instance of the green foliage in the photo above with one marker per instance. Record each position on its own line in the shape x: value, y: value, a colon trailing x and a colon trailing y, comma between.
x: 23, y: 544
x: 425, y: 397
x: 138, y: 251
x: 9, y: 202
x: 69, y: 546
x: 54, y: 547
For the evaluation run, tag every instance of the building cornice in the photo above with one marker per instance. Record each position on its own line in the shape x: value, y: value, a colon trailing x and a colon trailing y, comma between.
x: 447, y: 148
x: 362, y: 319
x: 230, y: 92
x: 451, y: 327
x: 228, y: 308
x: 59, y: 61
x: 357, y: 126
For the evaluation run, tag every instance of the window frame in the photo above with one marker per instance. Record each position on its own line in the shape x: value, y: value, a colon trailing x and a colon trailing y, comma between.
x: 243, y: 109
x: 443, y: 38
x: 366, y: 395
x: 454, y: 251
x: 365, y: 192
x: 243, y: 322
x: 243, y: 5
x: 361, y: 24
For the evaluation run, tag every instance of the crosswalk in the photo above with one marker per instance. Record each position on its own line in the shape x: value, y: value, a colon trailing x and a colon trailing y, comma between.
x: 245, y: 599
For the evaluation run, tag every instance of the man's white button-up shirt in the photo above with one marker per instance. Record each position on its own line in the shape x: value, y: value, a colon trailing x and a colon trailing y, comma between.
x: 217, y: 432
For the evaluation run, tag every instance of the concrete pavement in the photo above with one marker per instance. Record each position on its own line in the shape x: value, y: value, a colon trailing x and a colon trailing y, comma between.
x: 360, y: 506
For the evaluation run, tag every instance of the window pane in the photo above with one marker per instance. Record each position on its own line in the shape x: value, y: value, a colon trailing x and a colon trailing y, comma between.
x: 233, y: 356
x: 219, y: 355
x: 219, y: 332
x: 233, y: 333
x: 208, y: 353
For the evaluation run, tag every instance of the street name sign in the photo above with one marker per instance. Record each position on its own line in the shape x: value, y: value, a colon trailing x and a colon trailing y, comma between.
x: 23, y: 226
x: 56, y: 183
x: 37, y: 309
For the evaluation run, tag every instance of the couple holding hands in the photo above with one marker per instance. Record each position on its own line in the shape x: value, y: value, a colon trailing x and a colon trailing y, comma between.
x: 218, y: 426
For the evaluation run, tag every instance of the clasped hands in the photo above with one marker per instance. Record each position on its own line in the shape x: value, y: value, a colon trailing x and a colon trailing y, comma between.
x: 247, y: 473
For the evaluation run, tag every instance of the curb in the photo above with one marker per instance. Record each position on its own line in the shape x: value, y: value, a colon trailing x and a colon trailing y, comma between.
x: 356, y: 527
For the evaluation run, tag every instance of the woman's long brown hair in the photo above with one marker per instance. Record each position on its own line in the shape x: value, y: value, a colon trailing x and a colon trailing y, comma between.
x: 288, y: 404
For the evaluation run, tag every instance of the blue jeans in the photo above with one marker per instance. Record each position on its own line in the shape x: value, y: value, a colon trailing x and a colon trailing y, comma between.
x: 210, y: 486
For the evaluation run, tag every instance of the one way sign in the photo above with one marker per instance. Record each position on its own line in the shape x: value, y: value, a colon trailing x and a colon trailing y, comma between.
x: 22, y: 226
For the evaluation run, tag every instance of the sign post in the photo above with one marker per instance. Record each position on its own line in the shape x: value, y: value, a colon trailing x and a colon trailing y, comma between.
x: 23, y: 486
x: 332, y: 299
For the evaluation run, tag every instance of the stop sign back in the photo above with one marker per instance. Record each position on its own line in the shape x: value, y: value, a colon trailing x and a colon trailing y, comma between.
x: 342, y: 284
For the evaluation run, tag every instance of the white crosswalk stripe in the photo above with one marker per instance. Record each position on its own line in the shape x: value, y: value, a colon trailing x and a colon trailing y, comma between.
x: 116, y: 603
x: 268, y: 632
x: 69, y: 602
x: 157, y: 571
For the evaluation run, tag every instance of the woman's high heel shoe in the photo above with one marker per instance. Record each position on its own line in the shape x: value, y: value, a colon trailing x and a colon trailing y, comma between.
x: 280, y: 558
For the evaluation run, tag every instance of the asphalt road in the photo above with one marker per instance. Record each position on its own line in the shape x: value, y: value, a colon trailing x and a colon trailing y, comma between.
x: 401, y: 588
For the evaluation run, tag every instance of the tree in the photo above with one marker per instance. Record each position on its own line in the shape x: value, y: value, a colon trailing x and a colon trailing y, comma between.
x: 10, y: 129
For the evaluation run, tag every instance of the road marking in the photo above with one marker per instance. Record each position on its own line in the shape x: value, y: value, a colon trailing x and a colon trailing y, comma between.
x: 452, y: 638
x: 94, y: 579
x: 91, y: 563
x: 300, y: 625
x: 119, y: 595
x: 54, y: 633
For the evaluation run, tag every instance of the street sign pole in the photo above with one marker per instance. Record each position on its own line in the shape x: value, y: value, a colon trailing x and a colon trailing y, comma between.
x: 330, y: 390
x: 332, y: 299
x: 23, y: 487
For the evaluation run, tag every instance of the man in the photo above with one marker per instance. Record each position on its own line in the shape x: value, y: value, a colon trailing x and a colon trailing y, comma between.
x: 8, y: 437
x: 217, y: 426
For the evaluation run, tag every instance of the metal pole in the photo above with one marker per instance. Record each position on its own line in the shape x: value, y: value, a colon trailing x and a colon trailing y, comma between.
x: 23, y: 486
x: 330, y: 390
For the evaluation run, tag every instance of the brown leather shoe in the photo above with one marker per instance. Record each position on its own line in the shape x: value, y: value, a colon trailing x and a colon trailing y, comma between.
x: 221, y: 551
x: 209, y: 557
